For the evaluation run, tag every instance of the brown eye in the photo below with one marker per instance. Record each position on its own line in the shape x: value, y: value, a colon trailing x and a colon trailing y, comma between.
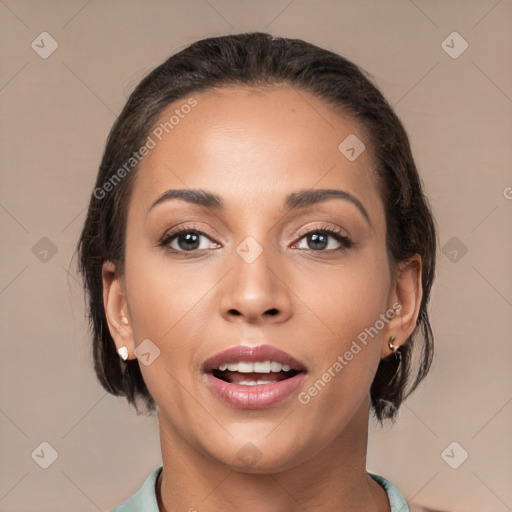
x: 188, y: 241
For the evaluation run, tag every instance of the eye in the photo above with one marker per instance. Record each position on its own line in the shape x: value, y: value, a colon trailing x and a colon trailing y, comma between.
x: 188, y: 240
x: 324, y: 238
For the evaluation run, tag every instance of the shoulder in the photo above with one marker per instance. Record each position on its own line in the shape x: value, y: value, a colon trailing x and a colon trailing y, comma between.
x: 144, y: 498
x: 396, y: 500
x: 420, y: 508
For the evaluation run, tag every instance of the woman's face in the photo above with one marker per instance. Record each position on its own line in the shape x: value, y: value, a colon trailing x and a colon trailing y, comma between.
x: 256, y: 266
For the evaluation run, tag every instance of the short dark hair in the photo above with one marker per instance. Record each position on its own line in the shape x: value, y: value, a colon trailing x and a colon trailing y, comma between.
x: 261, y: 60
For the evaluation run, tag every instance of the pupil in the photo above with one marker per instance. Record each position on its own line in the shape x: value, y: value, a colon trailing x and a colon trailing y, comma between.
x: 189, y: 238
x: 319, y: 239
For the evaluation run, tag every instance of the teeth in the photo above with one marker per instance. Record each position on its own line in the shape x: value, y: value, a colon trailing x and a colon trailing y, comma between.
x: 245, y: 368
x: 262, y: 367
x: 254, y: 382
x: 257, y: 367
x: 275, y: 367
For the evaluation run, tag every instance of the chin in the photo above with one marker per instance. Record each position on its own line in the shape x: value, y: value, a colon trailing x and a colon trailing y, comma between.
x: 262, y: 457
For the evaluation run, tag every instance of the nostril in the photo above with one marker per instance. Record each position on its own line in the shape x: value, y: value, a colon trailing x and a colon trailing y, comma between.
x: 234, y: 312
x: 272, y: 312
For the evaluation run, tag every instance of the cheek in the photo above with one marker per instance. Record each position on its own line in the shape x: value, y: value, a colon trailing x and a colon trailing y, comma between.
x: 350, y: 303
x: 165, y: 303
x: 162, y: 295
x: 170, y: 304
x: 347, y: 298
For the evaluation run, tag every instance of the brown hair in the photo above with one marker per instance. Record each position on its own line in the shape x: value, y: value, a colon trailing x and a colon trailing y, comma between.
x: 259, y: 60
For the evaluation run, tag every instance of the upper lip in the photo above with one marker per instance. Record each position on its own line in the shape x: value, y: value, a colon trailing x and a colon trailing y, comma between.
x: 245, y: 353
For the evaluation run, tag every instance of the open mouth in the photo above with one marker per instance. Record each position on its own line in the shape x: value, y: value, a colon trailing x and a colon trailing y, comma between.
x: 253, y: 374
x: 253, y: 377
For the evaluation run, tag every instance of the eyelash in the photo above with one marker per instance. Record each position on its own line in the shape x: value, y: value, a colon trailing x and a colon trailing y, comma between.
x: 167, y: 239
x: 345, y: 242
x: 337, y: 234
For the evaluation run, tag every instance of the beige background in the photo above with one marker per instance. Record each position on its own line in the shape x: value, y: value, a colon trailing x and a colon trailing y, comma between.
x: 55, y: 115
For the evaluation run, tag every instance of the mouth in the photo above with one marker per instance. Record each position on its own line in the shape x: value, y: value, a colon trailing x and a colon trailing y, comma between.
x: 253, y: 377
x: 253, y: 374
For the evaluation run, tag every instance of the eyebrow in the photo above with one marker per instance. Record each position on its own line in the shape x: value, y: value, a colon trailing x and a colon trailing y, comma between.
x: 296, y: 200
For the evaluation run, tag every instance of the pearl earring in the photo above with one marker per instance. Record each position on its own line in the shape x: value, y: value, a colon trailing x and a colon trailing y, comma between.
x: 123, y: 352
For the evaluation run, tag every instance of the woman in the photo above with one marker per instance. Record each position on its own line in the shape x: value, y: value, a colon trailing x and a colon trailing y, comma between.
x: 258, y: 254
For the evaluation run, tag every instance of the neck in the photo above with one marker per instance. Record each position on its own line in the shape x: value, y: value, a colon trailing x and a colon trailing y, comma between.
x: 333, y: 479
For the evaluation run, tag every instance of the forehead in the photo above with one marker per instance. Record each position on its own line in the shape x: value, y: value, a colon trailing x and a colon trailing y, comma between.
x: 245, y: 142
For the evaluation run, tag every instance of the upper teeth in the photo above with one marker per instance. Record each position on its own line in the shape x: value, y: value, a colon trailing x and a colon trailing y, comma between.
x: 258, y: 367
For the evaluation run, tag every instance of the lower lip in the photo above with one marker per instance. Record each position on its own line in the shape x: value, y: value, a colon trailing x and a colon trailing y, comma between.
x: 260, y: 396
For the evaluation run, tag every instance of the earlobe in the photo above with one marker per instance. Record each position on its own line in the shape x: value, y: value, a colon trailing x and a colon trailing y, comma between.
x: 114, y: 302
x: 405, y: 298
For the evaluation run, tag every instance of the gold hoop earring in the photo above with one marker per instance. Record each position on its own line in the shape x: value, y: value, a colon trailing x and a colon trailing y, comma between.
x: 396, y: 358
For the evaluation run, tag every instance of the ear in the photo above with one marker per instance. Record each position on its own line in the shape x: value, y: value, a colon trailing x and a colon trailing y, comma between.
x: 405, y: 301
x: 116, y: 308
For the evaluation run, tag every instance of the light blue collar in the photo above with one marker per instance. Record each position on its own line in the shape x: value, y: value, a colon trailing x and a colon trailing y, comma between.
x: 144, y: 500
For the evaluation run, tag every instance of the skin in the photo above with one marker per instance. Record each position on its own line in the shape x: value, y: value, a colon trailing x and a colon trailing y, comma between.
x: 252, y: 148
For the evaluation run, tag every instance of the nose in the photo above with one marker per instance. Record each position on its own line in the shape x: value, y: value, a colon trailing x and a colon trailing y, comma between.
x: 256, y: 292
